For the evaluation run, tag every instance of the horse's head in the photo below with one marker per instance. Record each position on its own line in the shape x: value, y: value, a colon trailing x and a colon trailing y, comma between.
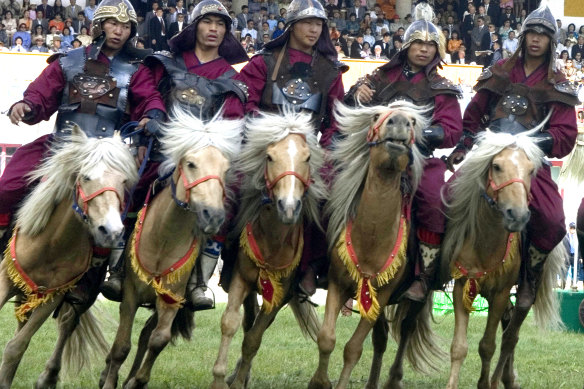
x: 200, y: 178
x: 509, y: 184
x: 287, y: 175
x: 200, y: 154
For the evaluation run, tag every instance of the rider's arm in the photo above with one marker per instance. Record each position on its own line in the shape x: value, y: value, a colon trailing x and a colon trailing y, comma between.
x: 447, y: 115
x: 144, y: 95
x: 329, y: 126
x: 564, y: 130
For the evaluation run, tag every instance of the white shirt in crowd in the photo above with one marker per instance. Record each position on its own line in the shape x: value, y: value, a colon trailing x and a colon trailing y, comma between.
x: 253, y: 32
x: 510, y: 45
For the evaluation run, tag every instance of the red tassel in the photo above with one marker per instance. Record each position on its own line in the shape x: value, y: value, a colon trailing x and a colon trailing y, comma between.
x: 472, y: 290
x: 365, y: 297
x: 267, y: 289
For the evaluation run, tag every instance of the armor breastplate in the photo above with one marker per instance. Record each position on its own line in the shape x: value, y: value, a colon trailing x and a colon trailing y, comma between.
x: 307, y: 92
x: 526, y: 105
x: 96, y: 95
x: 201, y: 96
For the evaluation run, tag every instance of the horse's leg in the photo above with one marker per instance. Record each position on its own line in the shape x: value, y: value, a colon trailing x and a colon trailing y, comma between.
x: 508, y: 378
x: 50, y: 376
x: 459, y: 347
x: 335, y: 299
x: 353, y: 350
x: 252, y: 340
x: 123, y: 342
x: 396, y: 372
x: 230, y: 320
x: 142, y: 345
x: 159, y: 338
x: 379, y: 339
x: 6, y: 287
x: 488, y: 343
x: 16, y: 347
x: 509, y: 341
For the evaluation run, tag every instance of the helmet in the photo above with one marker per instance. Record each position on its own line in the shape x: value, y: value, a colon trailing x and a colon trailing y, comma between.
x: 424, y: 30
x: 211, y: 7
x: 304, y: 9
x: 120, y: 10
x: 541, y: 21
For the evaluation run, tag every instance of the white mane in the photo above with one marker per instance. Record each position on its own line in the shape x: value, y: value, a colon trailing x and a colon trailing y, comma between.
x: 464, y: 196
x: 78, y: 155
x: 351, y: 158
x: 262, y: 131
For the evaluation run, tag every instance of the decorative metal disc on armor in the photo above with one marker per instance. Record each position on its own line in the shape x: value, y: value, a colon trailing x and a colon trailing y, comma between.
x: 91, y: 86
x: 296, y: 91
x: 189, y: 96
x: 515, y: 104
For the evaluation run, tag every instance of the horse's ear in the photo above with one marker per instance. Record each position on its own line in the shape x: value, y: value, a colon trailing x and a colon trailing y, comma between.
x: 77, y: 132
x: 117, y: 135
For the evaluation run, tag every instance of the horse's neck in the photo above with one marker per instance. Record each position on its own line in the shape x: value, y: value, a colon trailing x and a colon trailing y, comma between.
x: 65, y: 230
x: 491, y: 240
x: 377, y: 221
x: 278, y: 242
x: 167, y: 227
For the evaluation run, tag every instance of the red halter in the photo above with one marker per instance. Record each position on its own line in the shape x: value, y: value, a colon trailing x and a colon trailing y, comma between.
x: 373, y: 134
x: 496, y: 188
x: 87, y: 198
x: 190, y: 185
x: 271, y: 184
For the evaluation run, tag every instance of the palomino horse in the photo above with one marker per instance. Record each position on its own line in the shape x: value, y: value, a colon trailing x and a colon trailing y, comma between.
x: 166, y: 240
x: 487, y: 209
x: 51, y: 247
x: 368, y: 237
x: 281, y: 191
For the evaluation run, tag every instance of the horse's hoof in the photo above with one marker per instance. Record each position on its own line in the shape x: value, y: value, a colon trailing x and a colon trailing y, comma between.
x: 393, y: 385
x: 46, y: 382
x: 219, y: 385
x: 317, y: 384
x: 134, y: 384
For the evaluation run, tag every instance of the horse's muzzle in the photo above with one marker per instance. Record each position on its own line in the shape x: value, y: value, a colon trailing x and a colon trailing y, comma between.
x: 210, y: 219
x: 515, y: 219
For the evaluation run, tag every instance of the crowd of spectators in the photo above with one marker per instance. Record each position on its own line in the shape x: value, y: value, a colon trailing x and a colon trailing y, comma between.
x: 476, y: 32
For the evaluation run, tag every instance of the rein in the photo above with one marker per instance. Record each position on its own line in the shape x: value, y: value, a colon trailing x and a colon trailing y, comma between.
x: 190, y: 185
x: 79, y: 193
x: 496, y: 188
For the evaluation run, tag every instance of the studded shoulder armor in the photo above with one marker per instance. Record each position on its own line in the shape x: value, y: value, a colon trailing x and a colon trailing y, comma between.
x: 442, y: 85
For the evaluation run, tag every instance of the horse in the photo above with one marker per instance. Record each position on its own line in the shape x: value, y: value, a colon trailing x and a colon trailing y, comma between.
x: 166, y: 241
x: 378, y: 168
x: 76, y: 206
x: 281, y: 192
x: 487, y: 210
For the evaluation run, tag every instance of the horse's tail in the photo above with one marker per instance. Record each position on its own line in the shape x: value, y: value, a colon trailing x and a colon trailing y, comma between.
x: 183, y: 324
x: 547, y: 305
x: 86, y: 343
x: 423, y: 351
x: 306, y: 317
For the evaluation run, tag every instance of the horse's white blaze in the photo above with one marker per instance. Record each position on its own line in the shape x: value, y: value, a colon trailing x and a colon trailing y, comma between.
x: 292, y: 150
x: 112, y: 222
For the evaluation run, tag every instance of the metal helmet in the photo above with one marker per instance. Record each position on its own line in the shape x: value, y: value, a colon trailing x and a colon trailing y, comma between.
x: 422, y: 29
x: 304, y: 9
x: 541, y: 21
x: 211, y: 7
x: 120, y: 10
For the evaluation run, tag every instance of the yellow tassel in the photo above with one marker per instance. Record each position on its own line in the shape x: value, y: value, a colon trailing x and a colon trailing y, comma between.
x: 468, y: 300
x: 275, y: 276
x: 171, y: 278
x: 382, y: 278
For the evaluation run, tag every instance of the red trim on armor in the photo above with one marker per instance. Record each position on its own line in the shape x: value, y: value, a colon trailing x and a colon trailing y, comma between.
x: 429, y: 237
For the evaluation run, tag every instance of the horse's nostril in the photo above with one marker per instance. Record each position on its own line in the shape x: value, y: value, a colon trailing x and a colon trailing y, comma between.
x: 102, y: 229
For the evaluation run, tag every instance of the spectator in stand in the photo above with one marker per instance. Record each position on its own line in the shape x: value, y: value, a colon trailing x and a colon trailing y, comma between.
x: 368, y: 37
x: 561, y: 34
x: 581, y: 30
x: 260, y: 44
x: 83, y: 37
x: 170, y: 16
x: 385, y: 44
x: 57, y: 22
x: 23, y: 35
x: 357, y: 47
x: 46, y: 9
x: 272, y: 22
x: 497, y: 52
x: 396, y: 24
x: 578, y: 48
x: 397, y: 47
x: 365, y: 23
x: 353, y: 25
x: 283, y: 13
x: 260, y: 16
x: 180, y: 9
x: 459, y: 56
x: 508, y: 15
x: 27, y: 6
x: 492, y: 11
x: 366, y: 52
x: 520, y: 18
x: 12, y: 6
x: 38, y: 31
x: 177, y: 26
x: 243, y: 18
x: 577, y: 61
x: 279, y: 29
x: 157, y: 31
x: 272, y: 6
x: 344, y: 43
x: 451, y: 27
x: 468, y: 24
x: 357, y: 9
x: 90, y: 10
x: 40, y: 21
x: 26, y: 20
x: 454, y: 44
x: 249, y: 42
x: 76, y: 44
x: 570, y: 71
x: 17, y: 47
x: 381, y: 26
x: 250, y: 30
x: 80, y: 22
x: 72, y: 10
x: 510, y: 45
x: 67, y: 39
x: 56, y: 46
x: 378, y: 54
x: 483, y: 13
x: 51, y: 34
x: 265, y: 30
x: 58, y: 9
x: 3, y: 48
x: 340, y: 22
x: 504, y: 30
x: 334, y: 33
x: 10, y: 24
x: 3, y: 36
x: 69, y: 25
x: 39, y: 46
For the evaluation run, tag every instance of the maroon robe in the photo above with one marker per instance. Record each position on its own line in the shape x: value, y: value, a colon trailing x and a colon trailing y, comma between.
x: 546, y: 227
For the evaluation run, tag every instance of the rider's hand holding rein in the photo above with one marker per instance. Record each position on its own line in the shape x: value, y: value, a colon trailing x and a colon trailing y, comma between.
x: 364, y: 93
x: 18, y: 112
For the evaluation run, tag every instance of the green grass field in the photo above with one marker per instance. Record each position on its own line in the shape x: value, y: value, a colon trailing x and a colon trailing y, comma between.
x: 287, y: 360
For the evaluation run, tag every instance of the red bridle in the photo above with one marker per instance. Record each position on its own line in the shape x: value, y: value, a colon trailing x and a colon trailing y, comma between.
x: 87, y: 198
x: 271, y: 184
x: 190, y: 185
x: 496, y: 188
x: 373, y: 134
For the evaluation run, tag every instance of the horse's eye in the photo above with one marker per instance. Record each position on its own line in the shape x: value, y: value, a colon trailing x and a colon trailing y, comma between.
x: 532, y: 172
x: 191, y: 165
x: 269, y: 158
x: 390, y: 121
x: 86, y: 178
x: 413, y: 122
x: 496, y: 167
x: 308, y: 159
x: 375, y: 117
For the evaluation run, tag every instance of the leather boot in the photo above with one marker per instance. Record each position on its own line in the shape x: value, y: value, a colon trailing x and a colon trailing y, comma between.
x: 200, y: 276
x: 531, y: 278
x: 418, y: 290
x: 112, y: 288
x: 307, y: 284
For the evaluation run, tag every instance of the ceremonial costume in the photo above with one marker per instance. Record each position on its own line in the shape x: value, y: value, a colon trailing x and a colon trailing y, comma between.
x: 510, y: 101
x: 395, y: 81
x: 86, y: 88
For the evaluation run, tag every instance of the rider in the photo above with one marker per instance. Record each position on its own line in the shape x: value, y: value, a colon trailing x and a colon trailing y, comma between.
x: 411, y: 75
x: 299, y: 70
x: 514, y: 96
x: 73, y: 85
x: 196, y: 75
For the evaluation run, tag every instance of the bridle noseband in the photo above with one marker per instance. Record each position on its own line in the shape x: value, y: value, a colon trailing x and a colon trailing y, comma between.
x: 78, y: 193
x: 271, y: 184
x: 496, y: 188
x: 373, y: 133
x: 190, y: 185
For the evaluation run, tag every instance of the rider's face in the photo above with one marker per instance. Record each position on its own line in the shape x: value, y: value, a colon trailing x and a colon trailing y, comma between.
x: 536, y: 44
x: 420, y: 54
x: 210, y: 31
x: 116, y: 33
x: 305, y: 33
